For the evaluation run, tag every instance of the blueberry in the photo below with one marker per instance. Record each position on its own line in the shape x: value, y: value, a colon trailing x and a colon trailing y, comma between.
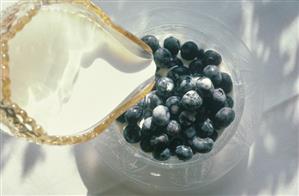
x: 176, y: 72
x: 132, y: 133
x: 195, y: 76
x: 134, y: 114
x: 187, y: 84
x: 201, y: 114
x: 187, y: 118
x: 190, y: 132
x: 200, y: 54
x: 202, y: 145
x: 152, y: 100
x: 173, y: 128
x: 172, y: 44
x: 173, y: 104
x: 196, y: 66
x: 212, y: 58
x: 207, y: 128
x: 189, y: 50
x: 184, y: 152
x: 162, y: 154
x: 224, y: 117
x: 161, y: 115
x: 226, y: 83
x: 148, y: 128
x: 176, y: 141
x: 229, y: 102
x: 151, y: 41
x: 214, y: 136
x: 213, y: 72
x: 191, y: 100
x: 145, y: 144
x: 159, y: 141
x: 164, y: 86
x: 176, y: 61
x: 121, y: 118
x: 162, y: 58
x: 147, y: 113
x: 204, y: 87
x: 141, y: 103
x: 218, y: 100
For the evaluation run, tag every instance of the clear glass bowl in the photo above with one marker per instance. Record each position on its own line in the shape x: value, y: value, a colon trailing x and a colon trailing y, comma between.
x: 129, y: 160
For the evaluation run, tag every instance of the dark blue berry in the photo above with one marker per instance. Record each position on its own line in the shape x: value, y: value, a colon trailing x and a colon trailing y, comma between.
x: 187, y: 84
x: 213, y: 72
x: 172, y: 44
x: 141, y: 104
x: 152, y: 100
x: 173, y: 128
x: 226, y: 83
x: 204, y: 87
x: 190, y: 132
x: 145, y: 144
x: 174, y: 142
x: 187, y: 118
x: 147, y: 113
x: 189, y: 50
x: 162, y: 58
x: 214, y: 136
x: 121, y: 118
x: 200, y: 54
x: 173, y: 104
x: 176, y: 72
x: 184, y: 152
x: 201, y: 115
x: 196, y: 66
x: 161, y: 115
x: 224, y: 117
x: 207, y: 128
x: 176, y: 61
x: 196, y: 75
x: 229, y: 102
x: 134, y: 114
x: 160, y: 141
x: 202, y: 145
x: 132, y: 133
x: 191, y: 100
x: 148, y: 128
x: 164, y: 86
x: 218, y: 100
x: 212, y: 58
x: 162, y: 154
x: 151, y: 41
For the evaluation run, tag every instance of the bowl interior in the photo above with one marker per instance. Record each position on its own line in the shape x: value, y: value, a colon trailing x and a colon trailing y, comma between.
x: 174, y: 174
x: 185, y: 33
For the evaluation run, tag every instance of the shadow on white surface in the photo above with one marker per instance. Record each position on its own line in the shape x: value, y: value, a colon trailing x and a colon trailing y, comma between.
x: 275, y: 153
x: 5, y: 150
x: 96, y: 176
x: 273, y: 39
x: 32, y: 156
x: 272, y: 34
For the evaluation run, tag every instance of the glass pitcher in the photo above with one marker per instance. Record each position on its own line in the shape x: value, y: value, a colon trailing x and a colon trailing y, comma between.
x: 56, y: 55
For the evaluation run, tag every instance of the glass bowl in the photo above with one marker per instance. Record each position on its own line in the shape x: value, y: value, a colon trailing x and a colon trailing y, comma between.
x: 139, y: 167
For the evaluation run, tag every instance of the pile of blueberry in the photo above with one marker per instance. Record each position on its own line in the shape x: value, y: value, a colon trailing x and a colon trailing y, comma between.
x: 189, y: 105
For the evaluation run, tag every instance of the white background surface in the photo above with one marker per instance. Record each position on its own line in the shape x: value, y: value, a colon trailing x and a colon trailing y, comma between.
x: 271, y: 30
